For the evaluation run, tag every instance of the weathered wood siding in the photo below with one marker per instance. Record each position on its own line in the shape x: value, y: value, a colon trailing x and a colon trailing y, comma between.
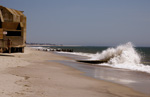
x: 14, y: 23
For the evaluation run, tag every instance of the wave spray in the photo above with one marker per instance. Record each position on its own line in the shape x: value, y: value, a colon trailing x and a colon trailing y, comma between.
x: 123, y: 54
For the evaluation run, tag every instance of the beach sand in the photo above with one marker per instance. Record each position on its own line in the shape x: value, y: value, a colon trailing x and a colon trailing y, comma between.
x: 30, y: 74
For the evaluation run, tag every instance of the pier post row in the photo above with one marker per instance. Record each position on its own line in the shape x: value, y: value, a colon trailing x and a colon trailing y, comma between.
x: 12, y: 30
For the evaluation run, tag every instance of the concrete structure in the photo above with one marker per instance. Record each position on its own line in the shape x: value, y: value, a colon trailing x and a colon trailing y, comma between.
x: 12, y: 30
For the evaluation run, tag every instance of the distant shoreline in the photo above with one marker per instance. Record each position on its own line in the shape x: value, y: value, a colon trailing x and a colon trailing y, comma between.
x: 55, y: 45
x: 30, y: 45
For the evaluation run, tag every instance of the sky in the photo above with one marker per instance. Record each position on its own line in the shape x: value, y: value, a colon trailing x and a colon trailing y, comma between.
x: 85, y: 22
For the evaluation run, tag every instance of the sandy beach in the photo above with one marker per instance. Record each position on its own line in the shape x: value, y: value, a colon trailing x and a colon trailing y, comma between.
x: 30, y: 74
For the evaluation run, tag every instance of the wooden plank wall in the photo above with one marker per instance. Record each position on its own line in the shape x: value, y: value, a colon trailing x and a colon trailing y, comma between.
x: 1, y: 33
x: 1, y: 16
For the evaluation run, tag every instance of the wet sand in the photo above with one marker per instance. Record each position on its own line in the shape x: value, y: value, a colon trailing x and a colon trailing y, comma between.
x: 139, y: 81
x: 37, y: 74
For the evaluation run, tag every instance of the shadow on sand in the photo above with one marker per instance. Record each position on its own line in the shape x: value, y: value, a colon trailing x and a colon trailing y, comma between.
x: 7, y: 55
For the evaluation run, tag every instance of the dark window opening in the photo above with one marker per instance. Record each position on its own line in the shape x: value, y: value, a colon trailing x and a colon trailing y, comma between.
x: 13, y: 33
x: 0, y: 24
x: 19, y: 27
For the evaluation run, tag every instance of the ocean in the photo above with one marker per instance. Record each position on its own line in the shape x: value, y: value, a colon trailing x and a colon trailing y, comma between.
x: 124, y: 56
x: 125, y: 64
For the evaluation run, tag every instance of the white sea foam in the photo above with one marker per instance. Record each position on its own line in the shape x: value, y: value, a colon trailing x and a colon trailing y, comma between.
x: 89, y: 55
x: 123, y: 56
x: 41, y: 48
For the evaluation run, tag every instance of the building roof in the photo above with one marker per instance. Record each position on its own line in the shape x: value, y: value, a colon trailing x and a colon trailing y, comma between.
x: 13, y: 11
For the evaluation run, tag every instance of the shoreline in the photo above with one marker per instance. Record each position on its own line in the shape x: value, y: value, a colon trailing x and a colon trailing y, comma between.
x: 33, y: 76
x: 132, y: 79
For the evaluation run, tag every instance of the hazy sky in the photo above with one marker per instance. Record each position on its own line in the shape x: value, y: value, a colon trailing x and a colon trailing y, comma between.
x: 85, y: 22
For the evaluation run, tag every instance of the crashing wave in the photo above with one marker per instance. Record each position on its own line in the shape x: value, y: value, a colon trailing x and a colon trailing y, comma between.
x: 123, y: 54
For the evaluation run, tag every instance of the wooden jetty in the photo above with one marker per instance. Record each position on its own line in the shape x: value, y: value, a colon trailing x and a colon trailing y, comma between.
x: 92, y: 61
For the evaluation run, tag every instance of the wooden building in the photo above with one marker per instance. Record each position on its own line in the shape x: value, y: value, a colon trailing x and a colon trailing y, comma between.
x: 12, y: 30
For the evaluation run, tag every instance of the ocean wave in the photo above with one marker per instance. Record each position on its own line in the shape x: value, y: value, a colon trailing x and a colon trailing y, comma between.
x: 123, y: 56
x: 89, y: 55
x: 135, y: 67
